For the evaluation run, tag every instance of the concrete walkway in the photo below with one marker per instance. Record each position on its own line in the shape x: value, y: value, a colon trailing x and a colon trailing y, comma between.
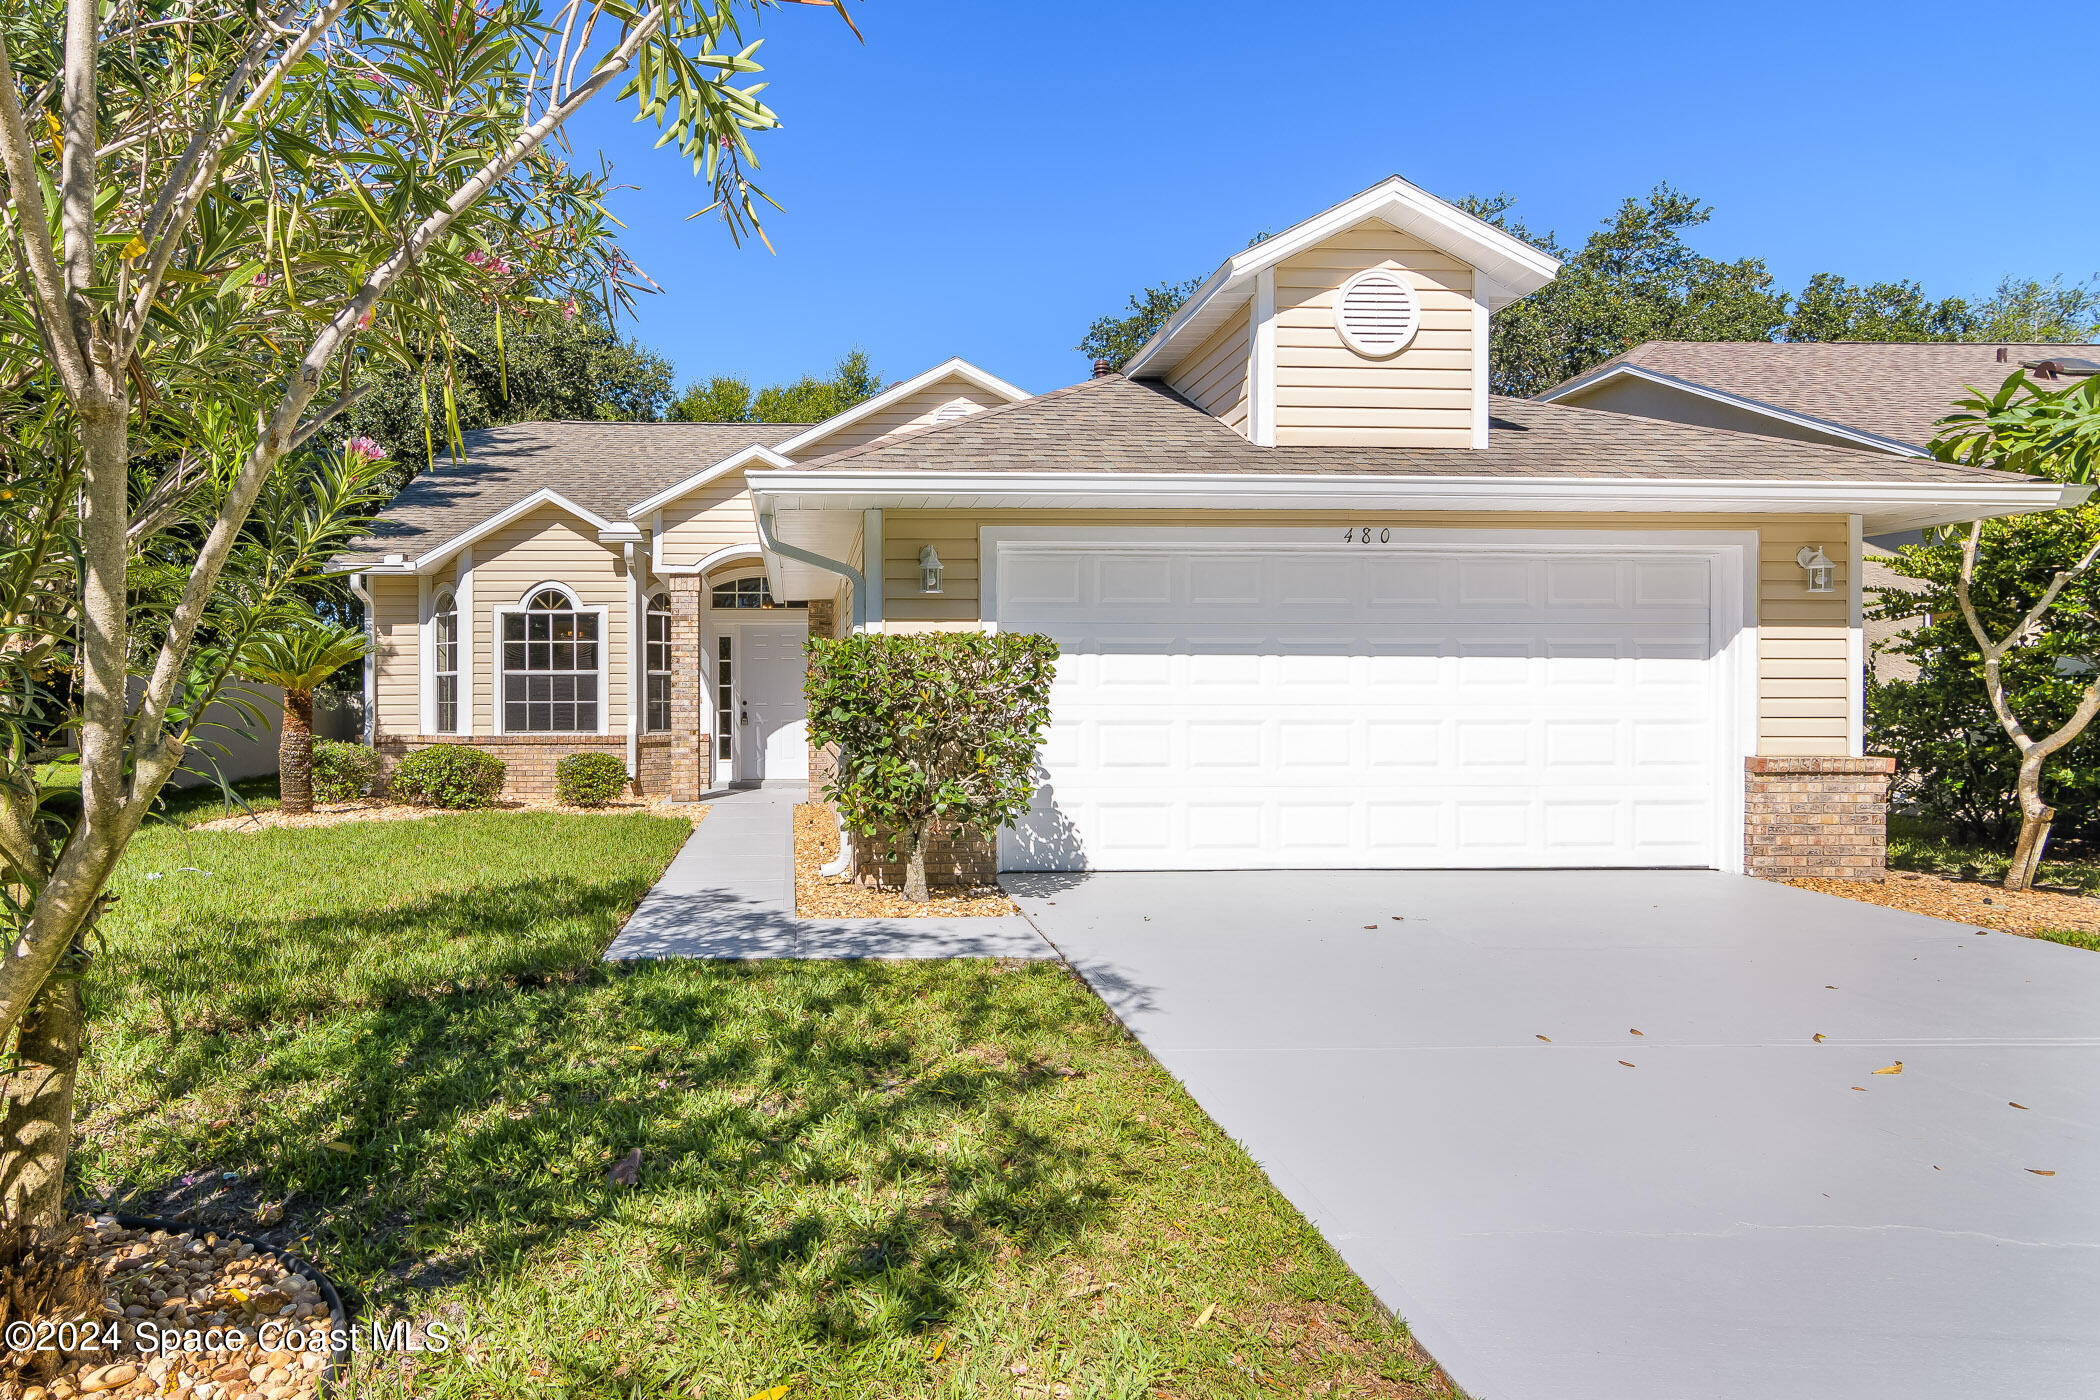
x: 1609, y: 1135
x: 730, y: 893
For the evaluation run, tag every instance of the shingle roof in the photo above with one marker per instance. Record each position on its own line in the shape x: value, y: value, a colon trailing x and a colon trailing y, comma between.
x: 603, y: 467
x: 1118, y: 424
x: 1895, y: 390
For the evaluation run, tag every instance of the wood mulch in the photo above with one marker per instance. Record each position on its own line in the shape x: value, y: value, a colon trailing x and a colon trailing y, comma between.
x: 817, y: 841
x: 2025, y: 912
x: 378, y: 809
x: 167, y: 1296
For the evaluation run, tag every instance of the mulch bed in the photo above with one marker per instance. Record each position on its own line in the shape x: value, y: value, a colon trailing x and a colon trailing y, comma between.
x: 817, y: 842
x: 2025, y: 912
x: 189, y: 1283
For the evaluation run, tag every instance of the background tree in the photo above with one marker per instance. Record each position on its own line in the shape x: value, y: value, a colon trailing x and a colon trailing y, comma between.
x: 2024, y: 589
x: 727, y: 399
x: 213, y: 211
x: 934, y: 730
x: 551, y: 361
x: 1637, y: 278
x: 297, y: 655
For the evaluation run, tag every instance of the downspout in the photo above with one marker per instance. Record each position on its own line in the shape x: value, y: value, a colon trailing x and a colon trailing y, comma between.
x: 371, y: 716
x: 859, y: 585
x: 637, y: 645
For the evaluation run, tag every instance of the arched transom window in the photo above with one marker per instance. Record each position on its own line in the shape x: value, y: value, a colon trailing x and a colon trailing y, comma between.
x: 550, y: 666
x: 658, y: 661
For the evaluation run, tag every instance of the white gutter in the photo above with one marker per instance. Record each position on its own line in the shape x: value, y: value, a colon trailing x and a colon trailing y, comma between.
x: 359, y: 592
x: 772, y: 544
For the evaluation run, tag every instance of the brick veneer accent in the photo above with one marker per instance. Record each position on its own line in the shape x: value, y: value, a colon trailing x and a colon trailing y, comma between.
x: 689, y: 768
x: 529, y: 759
x: 1816, y: 816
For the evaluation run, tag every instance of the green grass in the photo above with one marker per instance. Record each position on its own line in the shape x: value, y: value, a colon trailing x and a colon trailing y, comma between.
x: 865, y: 1178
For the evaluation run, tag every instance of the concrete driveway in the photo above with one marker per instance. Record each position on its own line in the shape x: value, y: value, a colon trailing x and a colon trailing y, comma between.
x: 1742, y: 1212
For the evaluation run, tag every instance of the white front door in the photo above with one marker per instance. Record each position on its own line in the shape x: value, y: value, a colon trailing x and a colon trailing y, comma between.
x: 1240, y: 707
x: 769, y: 729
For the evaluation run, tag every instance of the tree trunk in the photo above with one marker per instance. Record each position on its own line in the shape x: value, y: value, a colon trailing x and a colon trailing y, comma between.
x: 295, y: 754
x: 915, y: 867
x: 2035, y: 818
x: 36, y: 1105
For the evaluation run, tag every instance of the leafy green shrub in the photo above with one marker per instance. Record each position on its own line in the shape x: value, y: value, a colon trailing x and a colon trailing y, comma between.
x: 933, y: 729
x: 449, y: 775
x: 343, y: 772
x: 589, y: 779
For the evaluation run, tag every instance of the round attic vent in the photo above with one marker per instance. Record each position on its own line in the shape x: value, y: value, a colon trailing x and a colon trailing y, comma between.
x: 949, y: 412
x: 1377, y: 313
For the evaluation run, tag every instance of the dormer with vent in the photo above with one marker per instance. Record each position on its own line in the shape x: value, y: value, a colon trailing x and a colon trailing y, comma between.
x: 1366, y: 325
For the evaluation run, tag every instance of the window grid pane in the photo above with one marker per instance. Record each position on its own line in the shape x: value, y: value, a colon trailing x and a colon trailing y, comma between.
x: 550, y: 663
x: 445, y: 665
x: 725, y: 709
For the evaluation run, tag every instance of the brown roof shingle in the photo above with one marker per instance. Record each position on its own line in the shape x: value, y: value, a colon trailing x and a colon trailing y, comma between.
x: 1118, y: 424
x: 1892, y: 389
x: 603, y: 467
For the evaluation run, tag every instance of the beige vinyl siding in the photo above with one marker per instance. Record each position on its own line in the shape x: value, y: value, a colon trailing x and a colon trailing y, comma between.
x: 915, y: 411
x: 1214, y: 378
x: 1328, y: 395
x: 1803, y: 679
x: 714, y: 517
x: 397, y: 620
x: 548, y: 546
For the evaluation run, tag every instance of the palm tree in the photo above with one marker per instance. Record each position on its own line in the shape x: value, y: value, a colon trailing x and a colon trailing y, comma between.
x: 298, y: 658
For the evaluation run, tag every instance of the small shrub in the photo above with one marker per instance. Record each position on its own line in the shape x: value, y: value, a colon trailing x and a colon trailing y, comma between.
x: 344, y: 772
x: 449, y: 775
x: 589, y: 779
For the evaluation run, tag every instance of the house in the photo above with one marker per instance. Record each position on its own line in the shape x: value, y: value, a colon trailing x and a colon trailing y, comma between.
x: 1877, y: 397
x: 1323, y: 600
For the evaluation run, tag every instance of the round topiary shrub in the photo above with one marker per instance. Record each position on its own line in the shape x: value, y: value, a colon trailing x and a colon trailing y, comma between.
x: 448, y: 775
x: 589, y: 779
x: 344, y: 772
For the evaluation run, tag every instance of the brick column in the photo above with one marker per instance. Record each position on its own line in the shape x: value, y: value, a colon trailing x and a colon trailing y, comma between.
x: 690, y: 765
x: 1816, y: 816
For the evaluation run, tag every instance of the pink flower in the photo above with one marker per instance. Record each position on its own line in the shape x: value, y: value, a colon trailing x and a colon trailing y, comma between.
x: 488, y: 262
x: 364, y: 449
x: 366, y: 319
x: 570, y: 310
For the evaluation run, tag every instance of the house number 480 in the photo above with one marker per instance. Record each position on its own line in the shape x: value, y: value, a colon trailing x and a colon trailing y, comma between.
x: 1353, y: 535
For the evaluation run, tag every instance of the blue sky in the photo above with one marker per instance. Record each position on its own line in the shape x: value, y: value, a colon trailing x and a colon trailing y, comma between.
x: 984, y: 178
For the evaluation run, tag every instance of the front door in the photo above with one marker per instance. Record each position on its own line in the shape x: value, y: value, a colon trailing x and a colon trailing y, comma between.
x: 770, y: 735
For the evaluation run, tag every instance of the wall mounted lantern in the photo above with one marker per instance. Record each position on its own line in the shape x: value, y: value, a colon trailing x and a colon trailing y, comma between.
x: 929, y: 570
x: 1822, y: 574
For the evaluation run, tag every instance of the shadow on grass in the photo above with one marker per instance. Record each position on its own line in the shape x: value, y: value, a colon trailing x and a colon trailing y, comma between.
x: 847, y: 1144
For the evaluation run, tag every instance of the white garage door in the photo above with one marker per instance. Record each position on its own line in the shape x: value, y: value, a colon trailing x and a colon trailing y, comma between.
x: 1222, y: 707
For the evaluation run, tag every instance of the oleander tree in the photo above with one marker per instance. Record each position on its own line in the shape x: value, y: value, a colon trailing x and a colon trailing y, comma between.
x: 2012, y: 607
x: 216, y: 212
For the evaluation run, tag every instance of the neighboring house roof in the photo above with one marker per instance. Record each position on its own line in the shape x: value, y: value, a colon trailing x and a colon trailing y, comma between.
x: 1510, y: 268
x: 1117, y: 424
x: 601, y: 468
x: 1894, y: 391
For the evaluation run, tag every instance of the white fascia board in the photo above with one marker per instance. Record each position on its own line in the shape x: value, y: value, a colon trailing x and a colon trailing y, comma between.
x: 1510, y: 267
x: 954, y: 367
x: 1883, y: 505
x: 545, y: 496
x: 757, y: 453
x: 1757, y: 406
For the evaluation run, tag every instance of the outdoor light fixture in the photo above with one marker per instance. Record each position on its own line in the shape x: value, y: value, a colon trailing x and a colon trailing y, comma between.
x: 1822, y: 574
x: 929, y: 570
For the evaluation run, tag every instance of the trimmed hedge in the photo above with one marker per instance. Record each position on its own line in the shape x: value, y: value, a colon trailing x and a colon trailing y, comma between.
x: 589, y: 779
x: 456, y: 776
x: 344, y: 772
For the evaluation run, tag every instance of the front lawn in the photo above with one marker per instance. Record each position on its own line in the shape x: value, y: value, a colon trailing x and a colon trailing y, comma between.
x: 922, y: 1179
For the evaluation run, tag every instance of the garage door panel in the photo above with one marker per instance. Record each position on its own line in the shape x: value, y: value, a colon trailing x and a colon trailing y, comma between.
x: 1388, y: 708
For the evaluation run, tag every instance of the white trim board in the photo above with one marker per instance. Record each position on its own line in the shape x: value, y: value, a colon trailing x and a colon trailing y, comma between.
x: 954, y: 367
x: 1733, y: 555
x: 739, y: 460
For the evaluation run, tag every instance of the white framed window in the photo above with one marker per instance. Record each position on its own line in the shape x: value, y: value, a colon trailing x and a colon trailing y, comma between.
x: 749, y: 592
x: 657, y: 664
x: 444, y: 663
x: 725, y: 701
x: 551, y: 664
